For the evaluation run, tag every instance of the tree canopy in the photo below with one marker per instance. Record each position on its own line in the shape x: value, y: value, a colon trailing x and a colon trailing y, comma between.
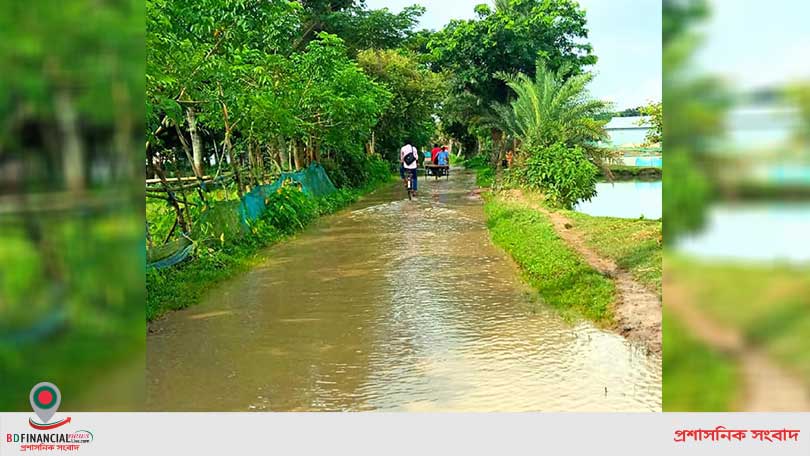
x: 511, y: 39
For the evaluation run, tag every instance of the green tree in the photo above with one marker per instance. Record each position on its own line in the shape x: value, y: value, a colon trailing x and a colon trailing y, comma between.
x: 361, y: 28
x: 551, y: 109
x: 655, y: 114
x: 511, y: 40
x: 337, y: 104
x: 358, y: 26
x: 416, y: 93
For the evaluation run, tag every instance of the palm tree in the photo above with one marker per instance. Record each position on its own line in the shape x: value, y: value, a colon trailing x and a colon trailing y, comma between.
x: 551, y: 109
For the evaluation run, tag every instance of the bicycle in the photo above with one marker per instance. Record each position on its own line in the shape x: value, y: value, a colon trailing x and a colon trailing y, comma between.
x: 409, y: 185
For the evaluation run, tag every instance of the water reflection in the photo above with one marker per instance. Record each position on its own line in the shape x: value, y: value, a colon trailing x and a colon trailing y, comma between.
x: 392, y: 305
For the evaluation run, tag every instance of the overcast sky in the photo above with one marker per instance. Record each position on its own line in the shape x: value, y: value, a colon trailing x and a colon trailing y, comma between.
x: 625, y: 35
x: 756, y: 44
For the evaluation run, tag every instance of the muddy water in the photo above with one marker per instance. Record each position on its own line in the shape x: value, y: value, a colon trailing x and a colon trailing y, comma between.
x: 392, y: 305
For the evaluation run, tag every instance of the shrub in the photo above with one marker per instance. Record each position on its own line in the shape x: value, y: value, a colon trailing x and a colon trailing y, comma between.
x: 353, y: 169
x: 563, y: 174
x: 289, y: 209
x: 477, y: 162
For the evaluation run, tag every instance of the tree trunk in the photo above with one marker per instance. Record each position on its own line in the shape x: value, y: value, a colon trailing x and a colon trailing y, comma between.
x: 371, y: 144
x: 227, y: 146
x: 260, y: 160
x: 149, y: 242
x: 184, y: 145
x: 234, y: 163
x: 316, y: 150
x: 283, y: 154
x: 158, y: 170
x: 196, y: 141
x: 309, y: 151
x: 73, y: 156
x: 497, y: 150
x: 296, y: 154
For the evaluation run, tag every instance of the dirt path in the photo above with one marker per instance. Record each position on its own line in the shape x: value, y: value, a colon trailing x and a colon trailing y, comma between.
x: 637, y: 309
x: 767, y: 386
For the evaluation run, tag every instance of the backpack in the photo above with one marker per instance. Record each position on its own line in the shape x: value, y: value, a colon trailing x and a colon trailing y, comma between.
x: 410, y: 157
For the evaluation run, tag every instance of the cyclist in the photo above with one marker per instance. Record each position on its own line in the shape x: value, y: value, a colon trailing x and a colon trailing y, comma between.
x: 409, y: 162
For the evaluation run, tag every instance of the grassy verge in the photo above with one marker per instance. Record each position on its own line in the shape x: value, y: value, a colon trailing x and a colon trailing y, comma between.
x: 484, y: 173
x: 695, y: 377
x: 561, y: 277
x: 184, y: 285
x: 768, y: 304
x: 635, y: 245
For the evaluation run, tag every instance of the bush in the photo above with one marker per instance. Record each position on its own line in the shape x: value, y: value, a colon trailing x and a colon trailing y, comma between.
x: 289, y: 209
x: 355, y: 169
x: 563, y: 174
x: 477, y: 162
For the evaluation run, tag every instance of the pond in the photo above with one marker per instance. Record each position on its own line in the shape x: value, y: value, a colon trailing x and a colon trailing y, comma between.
x: 754, y: 232
x: 624, y: 200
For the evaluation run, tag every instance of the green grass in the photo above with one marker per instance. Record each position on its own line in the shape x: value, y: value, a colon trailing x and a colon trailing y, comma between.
x: 484, y: 177
x: 696, y: 378
x: 633, y: 244
x: 484, y: 173
x: 185, y: 284
x: 561, y: 277
x: 768, y: 304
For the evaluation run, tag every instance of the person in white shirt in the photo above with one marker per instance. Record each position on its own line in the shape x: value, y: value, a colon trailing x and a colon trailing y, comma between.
x: 411, y: 167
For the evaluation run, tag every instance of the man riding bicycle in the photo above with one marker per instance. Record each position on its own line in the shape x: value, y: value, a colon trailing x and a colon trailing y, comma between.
x: 409, y: 162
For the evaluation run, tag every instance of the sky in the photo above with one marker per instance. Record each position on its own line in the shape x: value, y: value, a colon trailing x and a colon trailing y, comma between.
x: 625, y: 35
x: 755, y: 44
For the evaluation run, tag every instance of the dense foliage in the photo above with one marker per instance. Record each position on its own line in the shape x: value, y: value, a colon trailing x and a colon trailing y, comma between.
x: 552, y: 109
x: 510, y: 39
x: 507, y: 40
x: 562, y: 173
x: 417, y: 92
x: 240, y: 90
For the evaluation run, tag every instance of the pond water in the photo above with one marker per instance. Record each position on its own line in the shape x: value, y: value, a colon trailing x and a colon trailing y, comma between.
x: 392, y: 305
x: 754, y: 232
x: 624, y: 200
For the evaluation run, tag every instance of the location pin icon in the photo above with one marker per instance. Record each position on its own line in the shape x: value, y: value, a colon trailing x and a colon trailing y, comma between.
x: 45, y: 399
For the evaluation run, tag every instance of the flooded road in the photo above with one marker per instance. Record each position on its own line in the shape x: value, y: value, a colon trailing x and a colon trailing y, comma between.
x: 392, y: 305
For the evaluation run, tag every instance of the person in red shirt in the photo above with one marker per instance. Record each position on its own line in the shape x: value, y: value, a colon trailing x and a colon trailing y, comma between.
x: 433, y: 153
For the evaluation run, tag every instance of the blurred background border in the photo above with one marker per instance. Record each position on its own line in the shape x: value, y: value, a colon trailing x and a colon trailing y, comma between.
x: 71, y: 202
